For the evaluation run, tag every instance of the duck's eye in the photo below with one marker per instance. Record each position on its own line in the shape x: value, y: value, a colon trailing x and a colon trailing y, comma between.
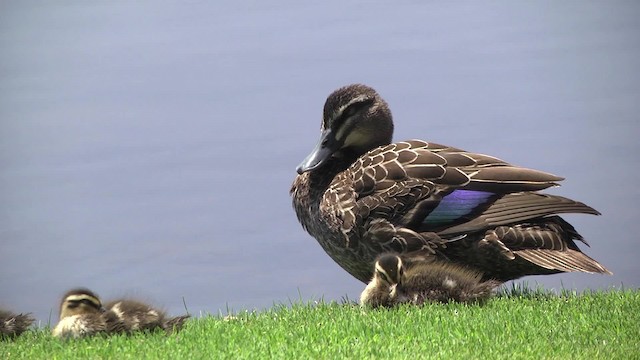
x: 351, y: 110
x: 387, y: 278
x: 89, y: 303
x: 73, y: 304
x: 357, y: 106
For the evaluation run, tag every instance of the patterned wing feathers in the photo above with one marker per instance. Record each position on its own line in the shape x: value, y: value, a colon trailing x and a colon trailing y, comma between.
x: 569, y: 260
x: 517, y: 207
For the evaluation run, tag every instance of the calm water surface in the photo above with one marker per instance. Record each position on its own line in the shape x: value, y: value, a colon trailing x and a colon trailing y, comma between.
x: 147, y: 149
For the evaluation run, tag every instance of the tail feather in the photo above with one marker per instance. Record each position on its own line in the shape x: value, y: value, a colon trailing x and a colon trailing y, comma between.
x: 568, y: 260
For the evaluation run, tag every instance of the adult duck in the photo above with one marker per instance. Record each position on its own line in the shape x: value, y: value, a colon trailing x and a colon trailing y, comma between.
x: 360, y: 196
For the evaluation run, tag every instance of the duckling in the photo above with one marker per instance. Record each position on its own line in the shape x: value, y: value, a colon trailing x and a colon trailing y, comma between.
x: 381, y: 290
x: 439, y: 281
x: 12, y: 325
x: 136, y: 315
x: 82, y: 314
x: 417, y: 282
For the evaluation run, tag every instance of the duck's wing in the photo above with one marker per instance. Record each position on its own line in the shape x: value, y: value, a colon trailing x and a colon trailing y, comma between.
x: 547, y: 242
x: 517, y: 207
x: 488, y: 173
x: 415, y: 187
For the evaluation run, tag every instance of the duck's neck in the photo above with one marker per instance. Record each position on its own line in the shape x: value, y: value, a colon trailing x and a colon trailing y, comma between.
x: 321, y: 177
x: 309, y: 188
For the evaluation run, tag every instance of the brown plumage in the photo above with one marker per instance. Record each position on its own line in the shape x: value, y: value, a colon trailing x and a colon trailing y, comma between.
x: 361, y: 196
x: 139, y: 316
x: 82, y: 314
x: 440, y: 281
x: 396, y: 281
x: 12, y: 325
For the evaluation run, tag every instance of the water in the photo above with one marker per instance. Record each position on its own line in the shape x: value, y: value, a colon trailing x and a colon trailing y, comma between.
x: 147, y: 149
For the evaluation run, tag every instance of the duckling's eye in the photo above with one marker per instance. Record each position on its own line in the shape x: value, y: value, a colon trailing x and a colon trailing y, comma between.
x: 73, y: 304
x: 386, y: 278
x: 89, y: 303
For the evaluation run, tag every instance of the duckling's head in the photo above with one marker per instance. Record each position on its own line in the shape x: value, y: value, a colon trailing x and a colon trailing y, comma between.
x: 356, y: 119
x: 80, y: 301
x: 389, y: 269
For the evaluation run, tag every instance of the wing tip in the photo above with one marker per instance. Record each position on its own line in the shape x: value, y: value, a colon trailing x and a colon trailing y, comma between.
x: 564, y: 261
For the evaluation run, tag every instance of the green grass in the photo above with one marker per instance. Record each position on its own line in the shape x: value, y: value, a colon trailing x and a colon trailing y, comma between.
x: 519, y: 324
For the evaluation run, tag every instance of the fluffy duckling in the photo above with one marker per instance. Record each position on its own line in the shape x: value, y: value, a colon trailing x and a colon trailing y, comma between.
x: 395, y: 282
x: 12, y: 325
x: 82, y: 314
x: 136, y: 315
x: 381, y: 290
x: 440, y: 281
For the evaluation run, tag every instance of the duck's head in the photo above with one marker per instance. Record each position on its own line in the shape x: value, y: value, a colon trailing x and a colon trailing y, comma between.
x: 356, y: 119
x: 80, y: 301
x: 389, y: 269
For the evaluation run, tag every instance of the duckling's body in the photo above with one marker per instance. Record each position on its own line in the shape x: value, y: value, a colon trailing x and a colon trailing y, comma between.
x: 82, y: 314
x: 139, y: 316
x: 395, y: 282
x: 12, y: 325
x: 440, y: 281
x: 361, y: 196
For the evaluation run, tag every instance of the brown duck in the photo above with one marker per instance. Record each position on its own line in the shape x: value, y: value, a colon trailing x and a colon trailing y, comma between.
x: 360, y: 196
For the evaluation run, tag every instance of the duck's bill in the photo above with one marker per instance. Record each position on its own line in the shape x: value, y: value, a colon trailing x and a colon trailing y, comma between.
x: 326, y: 146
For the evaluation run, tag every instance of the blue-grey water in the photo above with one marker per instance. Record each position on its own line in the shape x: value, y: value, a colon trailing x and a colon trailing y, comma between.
x: 147, y: 148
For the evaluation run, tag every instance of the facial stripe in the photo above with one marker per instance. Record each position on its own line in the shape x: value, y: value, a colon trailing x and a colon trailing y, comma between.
x: 77, y: 299
x: 345, y: 129
x: 400, y: 270
x: 342, y: 118
x: 361, y: 99
x: 393, y: 273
